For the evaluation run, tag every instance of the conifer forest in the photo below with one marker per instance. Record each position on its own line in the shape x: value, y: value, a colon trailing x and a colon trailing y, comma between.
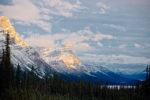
x: 26, y: 85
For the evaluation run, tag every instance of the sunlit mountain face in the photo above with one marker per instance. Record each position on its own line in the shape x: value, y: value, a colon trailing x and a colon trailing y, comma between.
x: 9, y: 29
x: 75, y: 49
x: 69, y: 59
x: 101, y: 32
x: 48, y: 60
x: 62, y: 59
x: 66, y: 55
x: 21, y: 53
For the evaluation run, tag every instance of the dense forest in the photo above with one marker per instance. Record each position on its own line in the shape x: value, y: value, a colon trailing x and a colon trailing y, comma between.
x: 19, y: 85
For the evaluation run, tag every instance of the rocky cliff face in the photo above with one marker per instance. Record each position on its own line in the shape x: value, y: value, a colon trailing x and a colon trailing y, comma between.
x: 63, y: 60
x: 46, y: 61
x: 60, y: 60
x: 21, y: 53
x: 9, y: 29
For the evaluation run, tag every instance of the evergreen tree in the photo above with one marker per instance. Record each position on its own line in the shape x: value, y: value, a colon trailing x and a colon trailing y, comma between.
x: 54, y: 88
x: 2, y: 72
x: 24, y: 80
x: 18, y: 74
x: 147, y: 73
x: 9, y: 67
x: 80, y: 88
x: 7, y: 51
x: 31, y: 78
x: 2, y: 59
x: 7, y: 62
x: 7, y: 70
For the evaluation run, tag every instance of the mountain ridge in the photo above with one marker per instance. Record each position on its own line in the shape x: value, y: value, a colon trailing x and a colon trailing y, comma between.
x: 9, y: 29
x: 47, y: 61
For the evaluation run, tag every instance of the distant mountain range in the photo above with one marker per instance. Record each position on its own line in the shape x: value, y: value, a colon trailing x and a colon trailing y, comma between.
x: 132, y: 71
x: 62, y: 61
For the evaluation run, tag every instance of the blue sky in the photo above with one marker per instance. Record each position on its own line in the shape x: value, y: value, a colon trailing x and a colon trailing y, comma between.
x: 101, y: 31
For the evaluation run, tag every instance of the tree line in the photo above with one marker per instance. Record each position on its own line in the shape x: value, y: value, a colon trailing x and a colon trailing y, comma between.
x: 21, y: 85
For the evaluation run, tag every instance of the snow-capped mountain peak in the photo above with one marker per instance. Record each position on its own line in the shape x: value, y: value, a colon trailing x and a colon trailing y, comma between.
x: 21, y: 53
x: 9, y: 29
x: 63, y: 60
x: 46, y: 60
x: 68, y: 57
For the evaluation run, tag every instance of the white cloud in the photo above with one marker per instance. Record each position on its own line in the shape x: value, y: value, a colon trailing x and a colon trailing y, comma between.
x: 65, y: 30
x: 137, y: 45
x: 100, y: 44
x: 44, y: 25
x: 25, y: 12
x: 79, y: 40
x: 123, y: 46
x: 103, y: 7
x: 20, y: 10
x: 100, y: 36
x: 82, y: 47
x: 85, y: 35
x: 85, y: 45
x: 40, y: 40
x: 61, y: 7
x: 111, y: 59
x: 115, y: 27
x: 102, y: 11
x: 46, y: 17
x: 75, y: 37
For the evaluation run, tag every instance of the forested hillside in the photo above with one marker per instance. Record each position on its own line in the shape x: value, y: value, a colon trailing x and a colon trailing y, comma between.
x: 19, y: 85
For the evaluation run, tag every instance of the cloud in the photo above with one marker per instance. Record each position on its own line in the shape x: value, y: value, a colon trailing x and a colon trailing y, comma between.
x: 65, y: 30
x: 25, y: 13
x: 115, y: 27
x: 123, y: 47
x: 100, y: 44
x: 74, y: 39
x: 39, y: 40
x: 78, y: 36
x: 79, y: 40
x: 82, y: 47
x: 85, y: 35
x: 61, y: 7
x: 137, y: 45
x: 100, y: 36
x: 102, y: 11
x: 112, y: 59
x: 103, y: 7
x: 20, y: 10
x: 44, y: 25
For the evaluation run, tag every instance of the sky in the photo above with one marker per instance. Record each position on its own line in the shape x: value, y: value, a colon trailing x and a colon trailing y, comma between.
x: 99, y: 31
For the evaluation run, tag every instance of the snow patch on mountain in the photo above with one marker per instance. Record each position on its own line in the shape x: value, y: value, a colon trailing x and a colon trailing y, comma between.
x: 63, y: 60
x: 26, y: 57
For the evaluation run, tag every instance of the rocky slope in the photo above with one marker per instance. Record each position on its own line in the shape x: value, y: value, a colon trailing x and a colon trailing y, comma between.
x: 46, y: 61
